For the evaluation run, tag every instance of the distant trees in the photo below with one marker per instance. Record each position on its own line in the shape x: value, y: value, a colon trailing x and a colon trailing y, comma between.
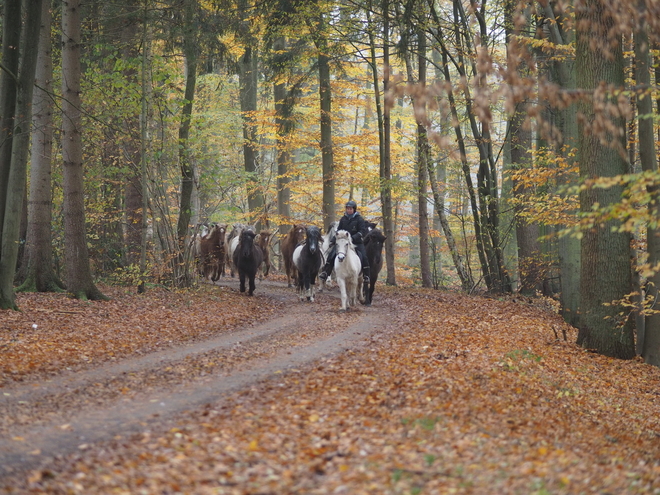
x: 16, y: 89
x: 299, y: 105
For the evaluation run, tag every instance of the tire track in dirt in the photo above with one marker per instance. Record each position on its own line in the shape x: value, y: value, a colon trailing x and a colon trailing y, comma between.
x: 25, y: 447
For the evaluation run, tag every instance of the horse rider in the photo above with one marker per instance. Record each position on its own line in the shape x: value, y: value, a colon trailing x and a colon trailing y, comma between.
x: 354, y: 224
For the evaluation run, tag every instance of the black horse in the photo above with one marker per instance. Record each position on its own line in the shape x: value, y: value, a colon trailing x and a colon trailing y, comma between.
x: 373, y: 243
x: 308, y: 259
x: 247, y: 259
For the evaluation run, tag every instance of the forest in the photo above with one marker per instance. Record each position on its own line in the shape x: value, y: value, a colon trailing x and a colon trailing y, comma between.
x: 501, y: 147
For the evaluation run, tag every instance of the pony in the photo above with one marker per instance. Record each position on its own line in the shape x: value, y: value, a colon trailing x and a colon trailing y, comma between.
x: 295, y: 236
x: 212, y: 252
x: 328, y: 243
x: 247, y: 257
x: 373, y: 244
x: 231, y: 241
x: 308, y: 260
x: 200, y: 232
x: 348, y: 271
x: 263, y: 240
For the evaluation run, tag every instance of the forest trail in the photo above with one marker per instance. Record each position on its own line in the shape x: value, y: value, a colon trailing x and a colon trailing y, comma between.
x: 70, y: 412
x: 208, y: 391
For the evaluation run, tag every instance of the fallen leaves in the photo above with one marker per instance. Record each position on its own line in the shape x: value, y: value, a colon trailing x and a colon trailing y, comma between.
x: 53, y: 332
x: 458, y: 394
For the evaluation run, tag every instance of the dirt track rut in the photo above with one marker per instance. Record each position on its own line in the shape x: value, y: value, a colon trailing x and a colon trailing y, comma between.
x: 51, y: 418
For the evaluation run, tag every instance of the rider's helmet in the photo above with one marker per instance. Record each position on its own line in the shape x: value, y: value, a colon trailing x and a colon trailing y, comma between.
x: 351, y: 204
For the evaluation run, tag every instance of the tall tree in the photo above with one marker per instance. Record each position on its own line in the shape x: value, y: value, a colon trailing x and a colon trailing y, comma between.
x: 14, y: 193
x: 79, y: 280
x: 248, y: 72
x: 325, y: 93
x: 11, y: 36
x: 560, y: 72
x: 386, y: 153
x: 285, y: 126
x: 186, y: 163
x: 650, y: 336
x: 606, y: 271
x: 40, y: 275
x: 519, y: 137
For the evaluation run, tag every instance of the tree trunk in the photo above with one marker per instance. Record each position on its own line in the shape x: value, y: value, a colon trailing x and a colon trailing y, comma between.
x: 423, y: 160
x: 248, y: 95
x: 15, y: 195
x: 144, y: 137
x: 78, y: 272
x: 40, y: 275
x: 11, y: 36
x: 466, y: 279
x: 386, y: 159
x: 649, y: 338
x: 563, y: 71
x: 605, y: 325
x: 185, y: 160
x: 326, y: 139
x: 284, y: 125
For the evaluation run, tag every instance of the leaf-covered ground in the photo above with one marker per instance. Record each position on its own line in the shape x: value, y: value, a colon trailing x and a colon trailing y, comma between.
x: 459, y: 395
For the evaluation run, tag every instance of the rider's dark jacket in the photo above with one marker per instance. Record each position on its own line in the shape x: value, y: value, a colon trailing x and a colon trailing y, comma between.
x: 354, y: 225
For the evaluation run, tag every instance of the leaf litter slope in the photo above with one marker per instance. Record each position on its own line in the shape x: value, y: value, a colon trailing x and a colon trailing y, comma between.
x: 460, y: 394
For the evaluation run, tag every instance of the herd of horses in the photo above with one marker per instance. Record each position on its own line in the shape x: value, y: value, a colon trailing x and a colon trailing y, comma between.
x: 304, y: 250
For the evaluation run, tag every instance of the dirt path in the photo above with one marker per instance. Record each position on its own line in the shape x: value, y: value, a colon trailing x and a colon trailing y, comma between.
x: 68, y: 413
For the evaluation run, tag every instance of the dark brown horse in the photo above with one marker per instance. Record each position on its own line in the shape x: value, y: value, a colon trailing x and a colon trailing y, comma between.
x: 295, y: 236
x: 212, y: 252
x: 247, y: 258
x: 308, y: 260
x: 263, y: 241
x: 373, y: 243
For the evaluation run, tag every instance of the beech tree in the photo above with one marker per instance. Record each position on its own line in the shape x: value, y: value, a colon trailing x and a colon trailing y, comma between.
x: 606, y: 271
x: 16, y: 91
x: 79, y: 280
x: 39, y: 273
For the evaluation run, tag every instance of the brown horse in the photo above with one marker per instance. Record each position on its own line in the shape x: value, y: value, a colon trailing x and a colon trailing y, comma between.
x: 295, y: 236
x: 263, y: 241
x: 212, y: 251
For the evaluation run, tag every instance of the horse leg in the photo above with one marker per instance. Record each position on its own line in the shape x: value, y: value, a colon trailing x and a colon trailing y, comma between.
x: 372, y: 286
x: 252, y: 286
x: 359, y: 293
x: 308, y: 287
x: 344, y: 296
x: 241, y: 277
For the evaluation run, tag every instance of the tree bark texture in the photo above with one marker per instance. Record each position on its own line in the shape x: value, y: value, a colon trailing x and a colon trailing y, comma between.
x: 284, y: 126
x: 15, y: 197
x: 386, y: 161
x: 327, y: 155
x: 78, y: 273
x: 40, y: 275
x: 186, y: 163
x: 649, y: 337
x: 605, y: 325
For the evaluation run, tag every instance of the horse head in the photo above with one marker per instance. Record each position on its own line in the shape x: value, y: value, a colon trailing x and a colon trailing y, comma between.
x: 344, y: 243
x: 313, y: 238
x: 247, y: 241
x: 374, y: 236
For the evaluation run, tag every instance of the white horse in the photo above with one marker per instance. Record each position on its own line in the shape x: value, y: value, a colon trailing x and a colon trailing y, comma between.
x: 328, y: 243
x: 347, y: 271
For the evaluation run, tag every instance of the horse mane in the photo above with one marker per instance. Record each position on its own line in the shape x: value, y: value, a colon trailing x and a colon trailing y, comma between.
x: 343, y: 234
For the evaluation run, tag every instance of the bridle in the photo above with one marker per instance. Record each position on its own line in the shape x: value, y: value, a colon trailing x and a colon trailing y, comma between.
x: 342, y: 255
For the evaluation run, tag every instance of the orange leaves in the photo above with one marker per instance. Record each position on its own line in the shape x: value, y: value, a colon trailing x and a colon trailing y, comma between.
x: 54, y: 332
x: 457, y: 394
